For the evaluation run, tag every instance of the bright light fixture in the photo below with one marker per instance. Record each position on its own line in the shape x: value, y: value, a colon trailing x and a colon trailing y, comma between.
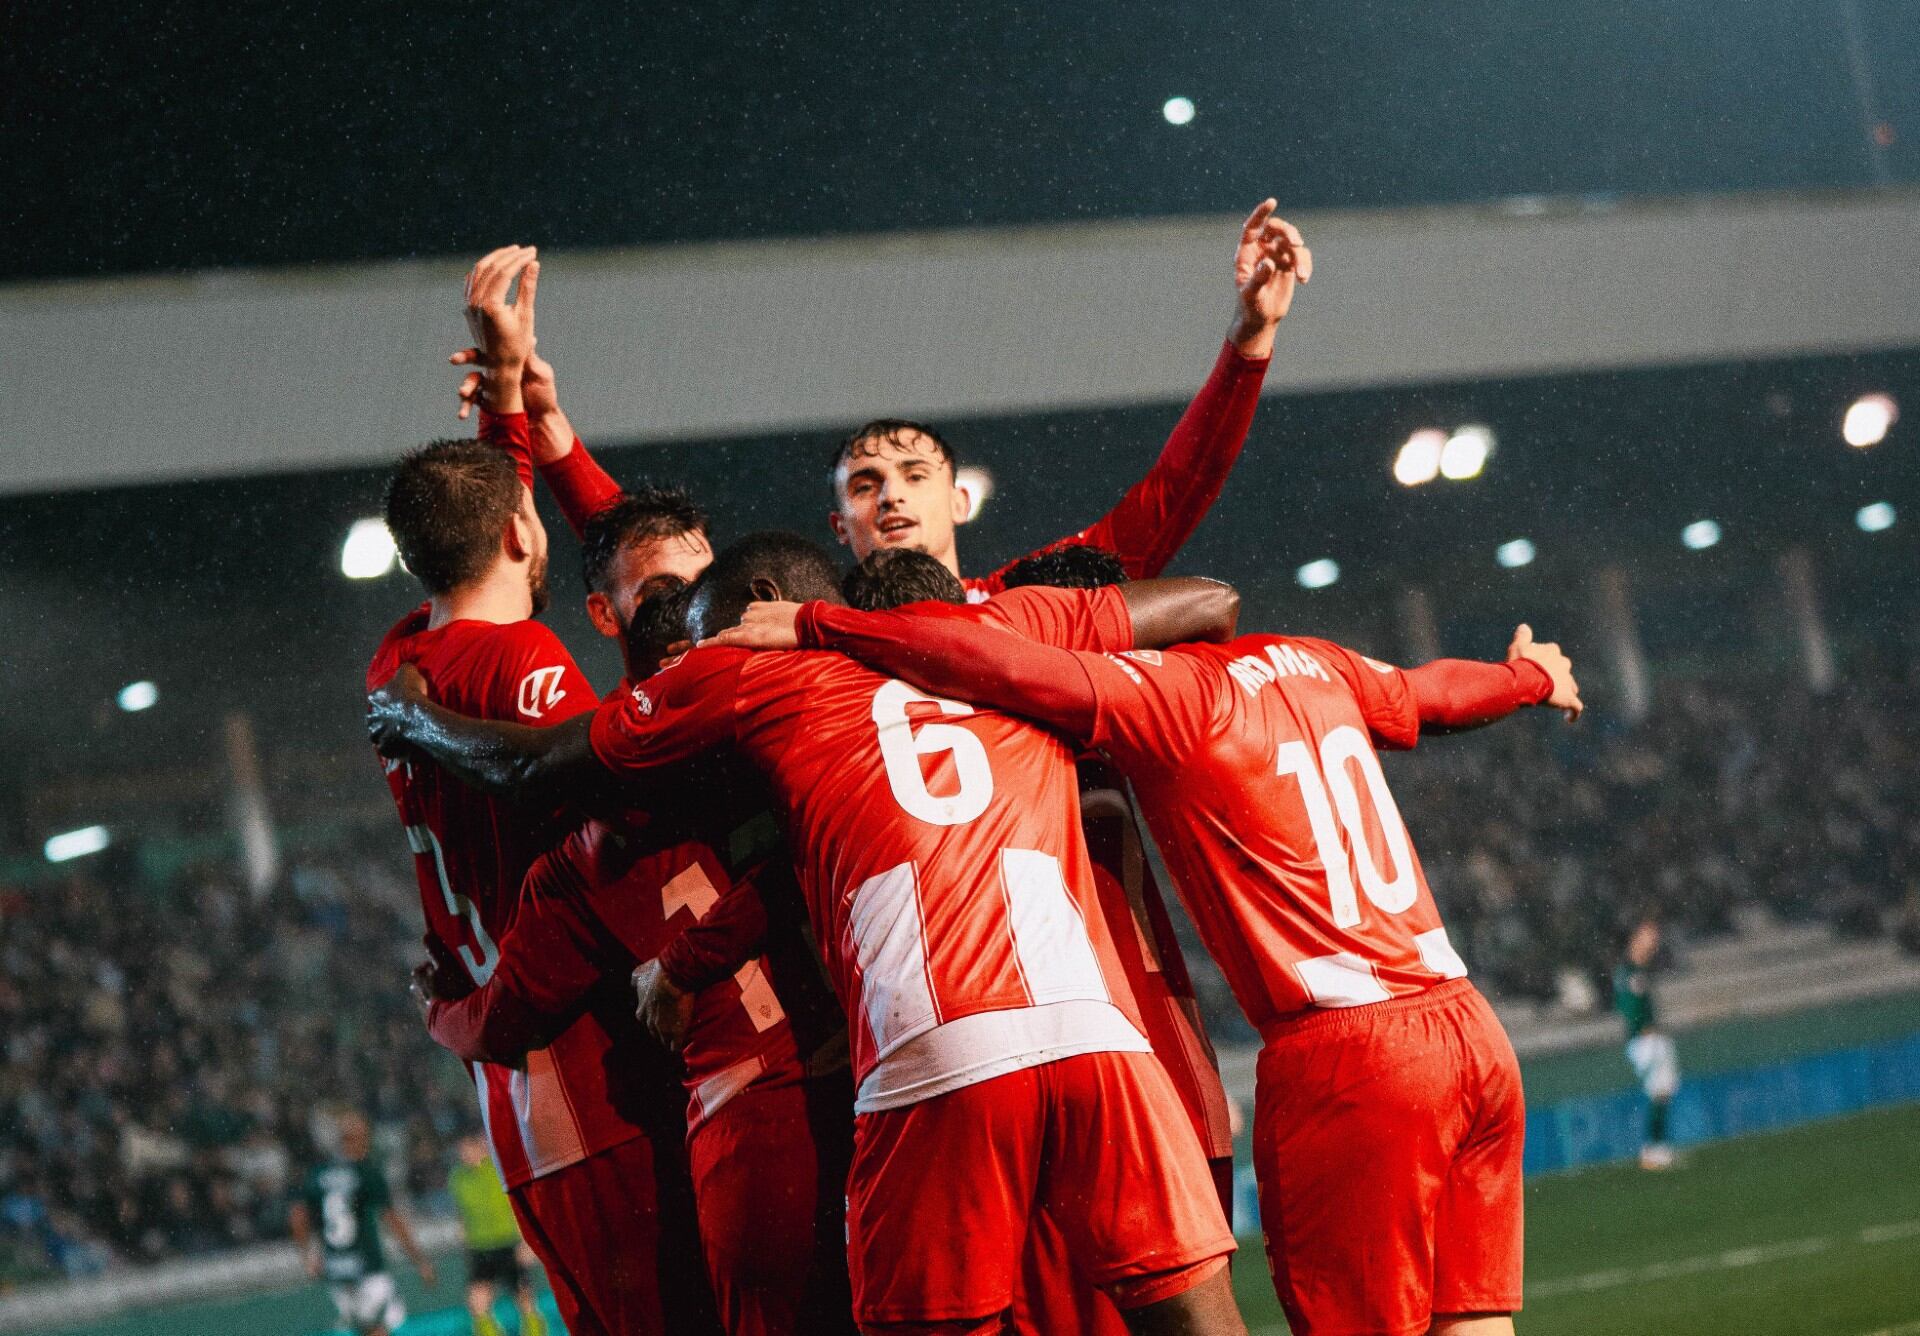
x: 1515, y: 554
x: 1874, y: 518
x: 977, y: 483
x: 368, y: 552
x: 1868, y: 420
x: 1700, y: 535
x: 76, y: 843
x: 1419, y: 459
x: 137, y: 696
x: 1318, y: 574
x: 1465, y: 453
x: 1178, y: 110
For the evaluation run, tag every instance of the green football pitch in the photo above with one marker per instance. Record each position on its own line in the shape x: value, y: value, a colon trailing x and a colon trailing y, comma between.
x: 1812, y: 1232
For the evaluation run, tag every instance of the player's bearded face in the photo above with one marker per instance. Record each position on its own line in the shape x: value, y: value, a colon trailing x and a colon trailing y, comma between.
x: 898, y: 492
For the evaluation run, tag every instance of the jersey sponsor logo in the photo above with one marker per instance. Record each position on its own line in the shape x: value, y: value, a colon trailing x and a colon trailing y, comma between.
x: 1376, y: 665
x: 1150, y: 657
x: 540, y: 691
x: 1120, y: 662
x: 642, y: 701
x: 1253, y: 671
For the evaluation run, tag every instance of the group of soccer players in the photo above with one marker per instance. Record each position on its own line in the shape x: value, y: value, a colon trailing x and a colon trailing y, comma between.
x: 815, y: 978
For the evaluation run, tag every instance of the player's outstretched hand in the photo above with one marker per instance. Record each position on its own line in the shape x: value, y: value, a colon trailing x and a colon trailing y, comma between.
x: 538, y: 393
x: 763, y: 626
x: 1566, y: 691
x: 1271, y: 262
x: 503, y: 334
x: 387, y: 709
x: 662, y: 1006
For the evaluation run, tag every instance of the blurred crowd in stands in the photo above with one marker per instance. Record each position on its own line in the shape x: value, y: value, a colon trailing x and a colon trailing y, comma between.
x: 172, y: 1055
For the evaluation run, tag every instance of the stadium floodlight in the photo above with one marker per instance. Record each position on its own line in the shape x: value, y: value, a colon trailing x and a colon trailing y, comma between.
x: 1177, y: 110
x: 1869, y: 419
x: 1465, y: 453
x: 1318, y: 574
x: 76, y: 843
x: 1701, y: 535
x: 1874, y: 518
x: 1419, y: 459
x: 977, y: 483
x: 368, y: 552
x: 137, y: 696
x: 1514, y: 555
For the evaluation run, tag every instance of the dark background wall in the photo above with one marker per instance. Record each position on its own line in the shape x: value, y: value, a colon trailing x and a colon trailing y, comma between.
x: 161, y: 136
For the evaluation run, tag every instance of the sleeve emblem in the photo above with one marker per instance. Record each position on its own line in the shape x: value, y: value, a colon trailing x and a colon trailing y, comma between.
x: 540, y: 691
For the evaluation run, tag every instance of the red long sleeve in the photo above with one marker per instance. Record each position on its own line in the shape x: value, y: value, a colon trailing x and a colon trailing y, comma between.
x: 511, y: 432
x: 1161, y: 511
x: 960, y: 660
x: 489, y: 1024
x: 580, y: 485
x: 1466, y: 693
x: 731, y: 933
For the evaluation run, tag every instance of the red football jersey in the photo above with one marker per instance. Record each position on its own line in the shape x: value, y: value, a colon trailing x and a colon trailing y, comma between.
x: 1255, y: 764
x: 1149, y: 952
x: 606, y: 899
x: 471, y: 855
x: 939, y: 849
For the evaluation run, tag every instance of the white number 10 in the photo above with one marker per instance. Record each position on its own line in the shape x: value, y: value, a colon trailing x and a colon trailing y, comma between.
x: 1343, y: 747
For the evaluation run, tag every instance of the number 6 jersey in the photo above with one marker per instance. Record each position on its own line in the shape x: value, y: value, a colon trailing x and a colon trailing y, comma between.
x: 939, y: 848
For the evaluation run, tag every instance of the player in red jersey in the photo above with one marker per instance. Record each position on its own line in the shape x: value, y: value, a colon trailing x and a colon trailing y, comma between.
x: 612, y: 895
x: 1388, y: 1117
x: 946, y: 879
x: 894, y: 482
x: 590, y: 1148
x: 1050, y: 1300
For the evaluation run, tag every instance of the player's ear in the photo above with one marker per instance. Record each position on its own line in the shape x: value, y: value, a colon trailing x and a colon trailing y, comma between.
x: 764, y: 589
x: 839, y: 527
x: 960, y: 504
x: 600, y: 613
x: 518, y: 539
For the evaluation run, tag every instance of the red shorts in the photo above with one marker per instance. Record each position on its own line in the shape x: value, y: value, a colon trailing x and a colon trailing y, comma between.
x: 617, y: 1236
x: 1055, y: 1300
x: 1387, y: 1142
x: 942, y: 1192
x: 770, y: 1178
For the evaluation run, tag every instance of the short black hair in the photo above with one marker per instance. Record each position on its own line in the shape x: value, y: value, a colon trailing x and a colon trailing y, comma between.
x: 1068, y: 566
x: 892, y: 576
x: 659, y: 623
x: 447, y: 504
x: 638, y: 514
x: 797, y: 569
x: 867, y: 438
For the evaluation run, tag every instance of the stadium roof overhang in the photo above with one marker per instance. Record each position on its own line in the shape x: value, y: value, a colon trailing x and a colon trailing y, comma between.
x: 233, y: 372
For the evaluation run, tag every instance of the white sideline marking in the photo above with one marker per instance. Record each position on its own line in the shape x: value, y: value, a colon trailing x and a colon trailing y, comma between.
x: 1729, y: 1260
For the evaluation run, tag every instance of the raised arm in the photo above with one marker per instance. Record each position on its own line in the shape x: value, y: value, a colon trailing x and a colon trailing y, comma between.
x: 1161, y: 511
x: 962, y: 661
x: 505, y: 760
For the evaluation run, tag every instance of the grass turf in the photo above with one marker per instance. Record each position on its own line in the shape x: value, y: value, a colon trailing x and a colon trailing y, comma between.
x: 1761, y: 1237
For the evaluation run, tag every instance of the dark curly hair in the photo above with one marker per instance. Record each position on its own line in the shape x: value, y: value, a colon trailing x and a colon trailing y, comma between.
x: 892, y: 576
x: 1069, y: 566
x: 636, y: 515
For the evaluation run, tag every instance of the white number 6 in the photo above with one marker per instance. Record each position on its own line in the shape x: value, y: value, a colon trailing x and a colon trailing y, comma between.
x: 901, y: 748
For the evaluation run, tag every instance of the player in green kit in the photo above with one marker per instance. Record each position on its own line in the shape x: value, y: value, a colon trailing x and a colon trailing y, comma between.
x: 349, y: 1198
x: 493, y: 1242
x: 1650, y: 1049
